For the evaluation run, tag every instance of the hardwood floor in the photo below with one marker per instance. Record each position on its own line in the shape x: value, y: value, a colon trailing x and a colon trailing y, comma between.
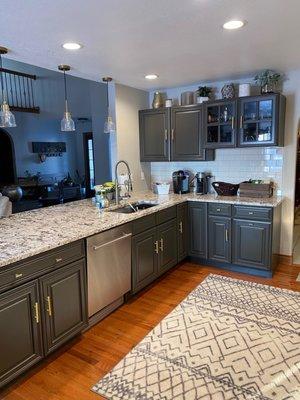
x: 70, y: 372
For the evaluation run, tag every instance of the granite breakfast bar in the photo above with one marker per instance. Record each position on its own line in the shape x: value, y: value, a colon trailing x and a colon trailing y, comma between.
x: 43, y: 259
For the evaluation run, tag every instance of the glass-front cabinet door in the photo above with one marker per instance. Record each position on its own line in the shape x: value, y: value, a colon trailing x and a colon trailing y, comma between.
x: 220, y: 124
x: 257, y: 120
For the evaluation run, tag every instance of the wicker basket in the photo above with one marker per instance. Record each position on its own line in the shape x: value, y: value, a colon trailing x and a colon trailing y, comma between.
x: 225, y: 189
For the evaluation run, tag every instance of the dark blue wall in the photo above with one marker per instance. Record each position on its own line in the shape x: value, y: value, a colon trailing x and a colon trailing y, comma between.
x: 86, y: 99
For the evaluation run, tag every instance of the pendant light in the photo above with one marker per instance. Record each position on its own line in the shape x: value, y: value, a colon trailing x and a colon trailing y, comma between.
x: 67, y: 124
x: 109, y: 125
x: 7, y: 118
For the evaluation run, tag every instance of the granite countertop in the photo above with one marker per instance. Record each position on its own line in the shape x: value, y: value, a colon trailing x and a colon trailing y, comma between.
x: 32, y: 232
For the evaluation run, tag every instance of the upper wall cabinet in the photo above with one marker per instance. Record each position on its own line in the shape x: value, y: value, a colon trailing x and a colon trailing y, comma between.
x: 220, y: 124
x: 261, y: 120
x: 172, y: 135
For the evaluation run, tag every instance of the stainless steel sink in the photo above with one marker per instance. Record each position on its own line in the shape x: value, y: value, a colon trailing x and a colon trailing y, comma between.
x: 135, y: 207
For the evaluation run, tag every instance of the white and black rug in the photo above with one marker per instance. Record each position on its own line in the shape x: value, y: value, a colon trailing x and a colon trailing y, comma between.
x: 229, y: 339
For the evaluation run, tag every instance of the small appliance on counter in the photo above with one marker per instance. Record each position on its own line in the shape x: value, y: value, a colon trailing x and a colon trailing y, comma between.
x: 204, y: 183
x: 181, y: 182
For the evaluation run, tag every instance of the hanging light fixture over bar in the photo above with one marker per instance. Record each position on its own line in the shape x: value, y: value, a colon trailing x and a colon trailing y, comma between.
x: 109, y: 125
x: 67, y: 124
x: 7, y: 118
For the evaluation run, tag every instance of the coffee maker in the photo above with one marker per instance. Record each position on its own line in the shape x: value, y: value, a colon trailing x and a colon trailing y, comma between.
x: 201, y: 183
x: 181, y: 183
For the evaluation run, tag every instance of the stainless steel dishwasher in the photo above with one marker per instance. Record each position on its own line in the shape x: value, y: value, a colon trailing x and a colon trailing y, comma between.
x: 108, y: 267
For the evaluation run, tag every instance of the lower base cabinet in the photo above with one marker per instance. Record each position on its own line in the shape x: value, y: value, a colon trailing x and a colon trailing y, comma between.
x: 182, y: 231
x: 39, y: 316
x: 252, y: 243
x: 219, y: 238
x: 64, y: 303
x: 20, y: 331
x: 198, y: 229
x: 154, y: 252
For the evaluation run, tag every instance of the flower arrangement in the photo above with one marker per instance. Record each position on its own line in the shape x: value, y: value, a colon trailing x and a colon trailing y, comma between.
x: 267, y: 80
x: 204, y: 91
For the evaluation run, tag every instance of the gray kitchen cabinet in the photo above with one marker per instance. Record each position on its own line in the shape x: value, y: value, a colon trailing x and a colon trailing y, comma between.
x: 186, y: 135
x: 197, y: 219
x: 144, y: 259
x: 219, y: 238
x: 64, y: 304
x: 20, y: 331
x: 154, y: 134
x: 252, y: 243
x: 167, y: 242
x: 261, y: 120
x: 182, y: 231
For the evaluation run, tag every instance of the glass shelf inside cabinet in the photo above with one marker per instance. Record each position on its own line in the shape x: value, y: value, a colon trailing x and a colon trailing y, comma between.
x: 212, y: 134
x: 225, y: 134
x: 250, y: 110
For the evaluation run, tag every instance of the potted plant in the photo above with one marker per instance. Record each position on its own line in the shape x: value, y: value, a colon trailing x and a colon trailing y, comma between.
x: 267, y: 80
x: 203, y: 94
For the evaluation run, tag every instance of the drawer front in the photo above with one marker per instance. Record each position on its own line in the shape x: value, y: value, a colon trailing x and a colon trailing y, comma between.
x: 38, y: 265
x: 142, y: 224
x: 165, y: 215
x: 219, y: 209
x: 250, y: 212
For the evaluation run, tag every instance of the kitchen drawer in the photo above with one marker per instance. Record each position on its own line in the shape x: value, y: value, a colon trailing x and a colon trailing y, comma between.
x: 142, y: 224
x: 165, y: 215
x: 250, y: 212
x: 219, y: 209
x: 33, y: 267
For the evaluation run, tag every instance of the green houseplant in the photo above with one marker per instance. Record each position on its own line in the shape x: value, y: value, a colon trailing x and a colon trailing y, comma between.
x: 203, y: 93
x: 267, y: 80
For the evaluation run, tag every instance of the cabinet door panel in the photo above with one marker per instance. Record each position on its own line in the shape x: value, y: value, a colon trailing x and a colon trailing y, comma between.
x: 187, y: 141
x: 20, y: 331
x: 154, y: 135
x: 198, y: 229
x: 182, y: 231
x: 65, y: 305
x: 167, y: 239
x: 219, y: 237
x: 144, y: 259
x: 252, y: 243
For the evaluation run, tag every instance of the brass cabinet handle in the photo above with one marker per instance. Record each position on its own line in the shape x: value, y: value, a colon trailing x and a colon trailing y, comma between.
x: 218, y: 209
x: 241, y: 121
x: 180, y: 227
x: 49, y: 311
x: 58, y: 260
x: 172, y: 134
x: 250, y: 213
x: 156, y: 246
x: 226, y: 235
x: 17, y: 276
x: 166, y: 134
x: 232, y: 123
x: 161, y: 244
x: 36, y: 313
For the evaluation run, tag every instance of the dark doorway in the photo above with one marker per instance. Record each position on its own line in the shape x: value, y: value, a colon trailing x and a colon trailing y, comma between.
x: 7, y: 159
x: 88, y: 148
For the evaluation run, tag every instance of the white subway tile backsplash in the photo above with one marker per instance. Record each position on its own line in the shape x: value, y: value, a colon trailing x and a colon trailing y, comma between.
x: 230, y: 165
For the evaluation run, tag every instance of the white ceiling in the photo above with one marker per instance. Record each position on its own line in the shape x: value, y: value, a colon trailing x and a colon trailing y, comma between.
x: 180, y: 40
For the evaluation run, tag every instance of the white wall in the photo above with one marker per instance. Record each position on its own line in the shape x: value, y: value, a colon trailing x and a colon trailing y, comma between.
x: 128, y: 101
x: 278, y: 164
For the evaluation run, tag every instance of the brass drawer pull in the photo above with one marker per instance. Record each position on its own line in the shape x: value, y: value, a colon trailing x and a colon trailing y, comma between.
x: 58, y: 260
x: 226, y: 235
x: 218, y: 209
x: 161, y: 244
x: 180, y: 227
x: 250, y: 212
x: 156, y: 246
x: 241, y: 121
x: 17, y: 276
x: 166, y: 134
x: 36, y: 313
x: 172, y: 134
x: 49, y: 310
x: 232, y: 123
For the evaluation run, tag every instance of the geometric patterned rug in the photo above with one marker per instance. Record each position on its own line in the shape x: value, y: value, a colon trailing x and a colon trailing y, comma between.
x: 228, y: 339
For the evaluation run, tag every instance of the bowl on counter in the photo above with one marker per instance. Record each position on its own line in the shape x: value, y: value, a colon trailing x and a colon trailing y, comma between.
x: 225, y: 188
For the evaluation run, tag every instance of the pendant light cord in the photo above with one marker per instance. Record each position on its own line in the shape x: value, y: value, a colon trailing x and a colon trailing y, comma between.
x: 66, y: 95
x: 107, y: 99
x: 1, y: 77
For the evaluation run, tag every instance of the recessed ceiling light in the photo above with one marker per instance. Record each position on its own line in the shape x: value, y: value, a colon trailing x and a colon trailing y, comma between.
x: 71, y: 46
x: 234, y: 24
x: 151, y: 76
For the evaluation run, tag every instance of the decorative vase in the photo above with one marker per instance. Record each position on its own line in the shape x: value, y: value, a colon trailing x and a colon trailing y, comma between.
x: 244, y: 89
x: 201, y: 99
x: 228, y: 91
x: 268, y: 88
x: 187, y: 98
x: 158, y: 100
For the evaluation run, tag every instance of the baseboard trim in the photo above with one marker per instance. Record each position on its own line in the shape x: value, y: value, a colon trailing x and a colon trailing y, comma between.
x: 288, y: 260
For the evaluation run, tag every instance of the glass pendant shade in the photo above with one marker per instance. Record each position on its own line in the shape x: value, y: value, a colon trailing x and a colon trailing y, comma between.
x: 67, y: 124
x: 109, y: 125
x: 7, y: 118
